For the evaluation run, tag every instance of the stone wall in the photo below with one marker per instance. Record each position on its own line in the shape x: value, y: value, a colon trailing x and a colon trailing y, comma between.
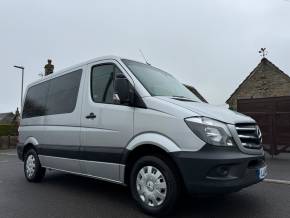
x: 8, y: 142
x: 266, y: 81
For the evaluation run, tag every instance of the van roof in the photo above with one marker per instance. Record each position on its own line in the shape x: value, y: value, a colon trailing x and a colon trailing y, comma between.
x: 65, y: 70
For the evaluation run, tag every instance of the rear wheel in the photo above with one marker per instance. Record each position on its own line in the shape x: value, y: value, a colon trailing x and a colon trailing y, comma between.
x: 33, y: 170
x: 154, y: 185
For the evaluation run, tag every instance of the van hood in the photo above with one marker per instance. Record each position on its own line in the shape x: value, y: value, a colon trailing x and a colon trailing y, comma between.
x: 215, y: 112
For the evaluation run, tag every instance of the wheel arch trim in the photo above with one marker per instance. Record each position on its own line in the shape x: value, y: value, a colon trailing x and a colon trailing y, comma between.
x: 31, y: 140
x: 152, y: 138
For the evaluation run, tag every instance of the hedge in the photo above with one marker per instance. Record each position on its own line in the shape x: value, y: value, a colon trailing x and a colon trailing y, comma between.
x: 6, y: 129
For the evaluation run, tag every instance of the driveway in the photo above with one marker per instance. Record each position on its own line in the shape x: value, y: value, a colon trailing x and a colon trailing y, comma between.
x: 63, y: 195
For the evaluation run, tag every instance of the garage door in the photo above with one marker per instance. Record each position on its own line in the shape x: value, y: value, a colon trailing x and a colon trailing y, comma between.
x: 273, y: 117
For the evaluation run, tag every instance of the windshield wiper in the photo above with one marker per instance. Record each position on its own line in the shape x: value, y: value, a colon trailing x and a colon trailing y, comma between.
x: 182, y: 98
x: 179, y: 96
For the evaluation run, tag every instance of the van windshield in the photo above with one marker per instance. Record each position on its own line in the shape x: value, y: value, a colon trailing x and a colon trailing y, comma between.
x: 158, y: 82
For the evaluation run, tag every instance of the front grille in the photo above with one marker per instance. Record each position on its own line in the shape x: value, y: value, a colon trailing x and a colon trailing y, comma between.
x: 250, y: 135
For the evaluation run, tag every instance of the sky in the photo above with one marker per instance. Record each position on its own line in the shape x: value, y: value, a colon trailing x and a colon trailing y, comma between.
x: 212, y: 45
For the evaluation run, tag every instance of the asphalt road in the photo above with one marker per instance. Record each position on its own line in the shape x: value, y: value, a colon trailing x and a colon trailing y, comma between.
x: 63, y: 195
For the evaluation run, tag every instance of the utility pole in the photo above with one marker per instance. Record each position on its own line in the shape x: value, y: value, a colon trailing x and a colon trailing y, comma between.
x: 22, y: 71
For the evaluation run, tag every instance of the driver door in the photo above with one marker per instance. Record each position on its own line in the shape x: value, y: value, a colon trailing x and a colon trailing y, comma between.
x: 106, y: 127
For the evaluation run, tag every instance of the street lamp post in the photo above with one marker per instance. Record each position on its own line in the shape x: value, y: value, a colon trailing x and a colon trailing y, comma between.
x: 22, y: 70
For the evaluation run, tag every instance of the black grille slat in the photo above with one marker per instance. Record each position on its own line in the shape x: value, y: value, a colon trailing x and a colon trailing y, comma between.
x: 249, y: 135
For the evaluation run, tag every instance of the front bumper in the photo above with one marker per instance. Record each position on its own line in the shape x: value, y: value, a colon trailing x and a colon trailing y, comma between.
x: 217, y: 169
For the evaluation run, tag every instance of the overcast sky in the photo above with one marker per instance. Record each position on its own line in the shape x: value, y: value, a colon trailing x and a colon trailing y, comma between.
x: 212, y: 45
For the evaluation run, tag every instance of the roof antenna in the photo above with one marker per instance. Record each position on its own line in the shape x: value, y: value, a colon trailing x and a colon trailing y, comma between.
x: 144, y: 57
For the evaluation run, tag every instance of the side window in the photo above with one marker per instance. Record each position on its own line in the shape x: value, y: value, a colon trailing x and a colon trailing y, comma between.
x: 55, y: 96
x: 35, y: 101
x: 102, y: 83
x: 63, y: 93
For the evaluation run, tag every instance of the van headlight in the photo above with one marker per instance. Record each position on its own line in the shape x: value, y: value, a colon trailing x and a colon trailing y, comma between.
x: 210, y: 131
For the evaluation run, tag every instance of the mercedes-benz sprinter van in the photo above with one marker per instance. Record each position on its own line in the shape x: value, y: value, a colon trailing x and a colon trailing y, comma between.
x: 133, y: 124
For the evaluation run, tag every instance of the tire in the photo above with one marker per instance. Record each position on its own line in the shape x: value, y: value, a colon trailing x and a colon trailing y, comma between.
x: 33, y: 170
x: 154, y: 185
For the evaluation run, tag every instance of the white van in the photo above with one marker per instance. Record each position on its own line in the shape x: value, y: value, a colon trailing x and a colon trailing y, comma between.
x: 133, y: 124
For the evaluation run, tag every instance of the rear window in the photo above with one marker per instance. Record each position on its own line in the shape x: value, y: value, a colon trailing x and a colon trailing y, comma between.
x: 35, y: 102
x: 56, y: 96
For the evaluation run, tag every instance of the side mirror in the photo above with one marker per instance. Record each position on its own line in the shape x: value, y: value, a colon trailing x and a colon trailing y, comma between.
x: 122, y: 94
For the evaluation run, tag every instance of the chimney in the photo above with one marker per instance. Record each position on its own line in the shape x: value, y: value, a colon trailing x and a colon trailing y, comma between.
x: 48, y: 68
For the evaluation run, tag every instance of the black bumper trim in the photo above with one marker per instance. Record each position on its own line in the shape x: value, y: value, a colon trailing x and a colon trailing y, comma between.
x: 90, y: 153
x: 218, y: 170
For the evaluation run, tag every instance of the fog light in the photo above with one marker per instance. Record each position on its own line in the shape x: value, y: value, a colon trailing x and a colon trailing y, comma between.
x: 223, y: 171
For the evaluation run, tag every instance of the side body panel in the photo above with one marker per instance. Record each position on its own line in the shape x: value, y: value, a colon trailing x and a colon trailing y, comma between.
x: 61, y: 142
x: 58, y: 136
x: 104, y: 138
x: 164, y: 122
x: 31, y: 130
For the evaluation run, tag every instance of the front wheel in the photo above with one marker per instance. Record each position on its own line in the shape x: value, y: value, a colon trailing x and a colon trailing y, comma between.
x: 33, y: 170
x: 154, y: 185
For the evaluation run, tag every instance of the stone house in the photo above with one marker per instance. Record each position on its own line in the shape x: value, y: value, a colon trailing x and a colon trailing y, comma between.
x: 7, y: 118
x: 266, y: 80
x: 10, y: 117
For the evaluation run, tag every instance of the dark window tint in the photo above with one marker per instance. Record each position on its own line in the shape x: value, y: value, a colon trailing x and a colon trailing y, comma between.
x: 35, y: 102
x: 55, y: 96
x: 102, y: 83
x: 63, y: 93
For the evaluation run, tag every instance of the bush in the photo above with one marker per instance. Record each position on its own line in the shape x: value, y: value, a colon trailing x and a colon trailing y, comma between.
x: 6, y: 129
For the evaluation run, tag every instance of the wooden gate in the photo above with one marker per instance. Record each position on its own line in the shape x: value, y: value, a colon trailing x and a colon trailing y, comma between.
x: 273, y: 116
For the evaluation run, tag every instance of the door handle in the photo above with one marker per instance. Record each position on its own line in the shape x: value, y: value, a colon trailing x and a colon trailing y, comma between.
x: 91, y: 116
